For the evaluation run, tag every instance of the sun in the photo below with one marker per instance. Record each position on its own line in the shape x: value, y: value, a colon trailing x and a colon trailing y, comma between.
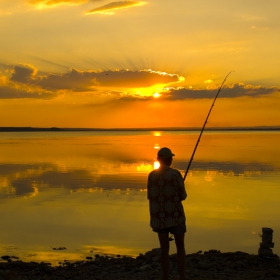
x: 156, y: 95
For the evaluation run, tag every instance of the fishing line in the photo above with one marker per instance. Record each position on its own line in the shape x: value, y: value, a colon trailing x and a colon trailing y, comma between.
x: 205, y: 125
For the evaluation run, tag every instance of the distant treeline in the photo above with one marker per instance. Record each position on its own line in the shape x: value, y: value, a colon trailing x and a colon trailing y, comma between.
x: 27, y: 129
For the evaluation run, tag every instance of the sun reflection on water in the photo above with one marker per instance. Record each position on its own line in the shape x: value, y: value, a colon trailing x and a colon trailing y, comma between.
x: 156, y: 165
x: 157, y: 133
x: 156, y: 146
x: 144, y: 167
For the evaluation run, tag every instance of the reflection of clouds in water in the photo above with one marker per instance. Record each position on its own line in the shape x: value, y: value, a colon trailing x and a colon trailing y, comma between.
x: 16, y: 169
x: 26, y: 180
x: 16, y: 179
x: 4, y: 183
x: 71, y: 179
x: 24, y: 187
x: 210, y: 175
x: 227, y: 168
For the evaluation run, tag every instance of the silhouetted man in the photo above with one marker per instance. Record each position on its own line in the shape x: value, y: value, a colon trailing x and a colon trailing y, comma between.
x: 166, y: 190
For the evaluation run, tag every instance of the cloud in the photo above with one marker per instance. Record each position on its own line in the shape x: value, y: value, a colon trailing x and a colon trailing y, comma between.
x: 76, y: 80
x: 113, y: 6
x: 14, y: 92
x: 233, y: 91
x: 24, y: 81
x: 21, y: 84
x: 106, y: 9
x: 23, y: 73
x: 183, y: 93
x: 42, y: 4
x: 254, y: 27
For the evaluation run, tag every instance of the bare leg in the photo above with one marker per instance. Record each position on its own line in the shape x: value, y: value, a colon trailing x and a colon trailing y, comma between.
x: 164, y: 246
x: 181, y: 254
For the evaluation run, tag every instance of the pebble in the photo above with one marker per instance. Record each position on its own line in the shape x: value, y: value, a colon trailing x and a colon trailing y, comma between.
x: 209, y: 265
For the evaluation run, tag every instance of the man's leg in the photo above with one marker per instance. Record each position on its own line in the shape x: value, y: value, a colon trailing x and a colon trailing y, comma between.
x: 181, y: 254
x: 164, y: 246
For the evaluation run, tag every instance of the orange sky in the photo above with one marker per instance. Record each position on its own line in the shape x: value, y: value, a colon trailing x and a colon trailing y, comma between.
x: 86, y: 63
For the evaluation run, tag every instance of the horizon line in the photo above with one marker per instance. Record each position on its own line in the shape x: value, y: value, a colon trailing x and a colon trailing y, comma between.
x: 30, y: 128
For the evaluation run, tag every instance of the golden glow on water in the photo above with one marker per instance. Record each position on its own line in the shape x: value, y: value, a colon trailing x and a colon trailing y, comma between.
x: 156, y: 146
x: 144, y: 168
x: 157, y: 133
x: 55, y: 188
x: 111, y: 250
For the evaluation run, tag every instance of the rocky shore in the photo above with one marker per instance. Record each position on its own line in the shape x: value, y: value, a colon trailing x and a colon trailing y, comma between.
x: 208, y: 265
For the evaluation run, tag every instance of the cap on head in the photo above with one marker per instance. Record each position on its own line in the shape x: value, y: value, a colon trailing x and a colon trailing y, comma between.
x: 165, y: 153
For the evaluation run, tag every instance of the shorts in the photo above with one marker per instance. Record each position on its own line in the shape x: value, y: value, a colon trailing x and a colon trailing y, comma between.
x: 179, y: 229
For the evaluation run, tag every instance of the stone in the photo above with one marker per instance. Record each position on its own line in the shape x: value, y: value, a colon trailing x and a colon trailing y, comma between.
x: 267, y: 238
x: 5, y: 257
x: 267, y: 230
x: 151, y: 254
x: 266, y: 245
x: 265, y: 252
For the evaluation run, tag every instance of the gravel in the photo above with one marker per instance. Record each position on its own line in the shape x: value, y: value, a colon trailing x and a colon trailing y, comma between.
x: 208, y: 265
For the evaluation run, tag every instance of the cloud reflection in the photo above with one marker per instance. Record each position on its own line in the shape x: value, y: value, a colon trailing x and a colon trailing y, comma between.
x: 24, y: 187
x: 26, y: 180
x: 226, y: 168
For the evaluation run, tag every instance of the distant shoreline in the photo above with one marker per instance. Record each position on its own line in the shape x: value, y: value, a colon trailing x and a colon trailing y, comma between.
x: 57, y: 129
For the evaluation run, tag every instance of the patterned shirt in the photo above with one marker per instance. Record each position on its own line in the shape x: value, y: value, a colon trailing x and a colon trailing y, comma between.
x: 166, y: 190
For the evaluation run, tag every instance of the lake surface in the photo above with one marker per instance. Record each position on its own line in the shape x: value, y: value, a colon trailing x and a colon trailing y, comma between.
x: 86, y: 191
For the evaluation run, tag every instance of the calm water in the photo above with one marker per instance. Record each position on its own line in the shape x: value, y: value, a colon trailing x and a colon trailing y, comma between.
x: 86, y: 191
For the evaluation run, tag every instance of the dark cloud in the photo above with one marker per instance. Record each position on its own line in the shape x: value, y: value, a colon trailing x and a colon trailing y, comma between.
x: 23, y: 73
x: 22, y: 84
x: 13, y: 92
x: 25, y: 82
x: 73, y: 80
x: 108, y: 8
x: 76, y: 80
x: 236, y: 90
x: 142, y: 78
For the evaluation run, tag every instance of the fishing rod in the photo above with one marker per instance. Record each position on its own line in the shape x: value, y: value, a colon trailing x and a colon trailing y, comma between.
x: 205, y: 125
